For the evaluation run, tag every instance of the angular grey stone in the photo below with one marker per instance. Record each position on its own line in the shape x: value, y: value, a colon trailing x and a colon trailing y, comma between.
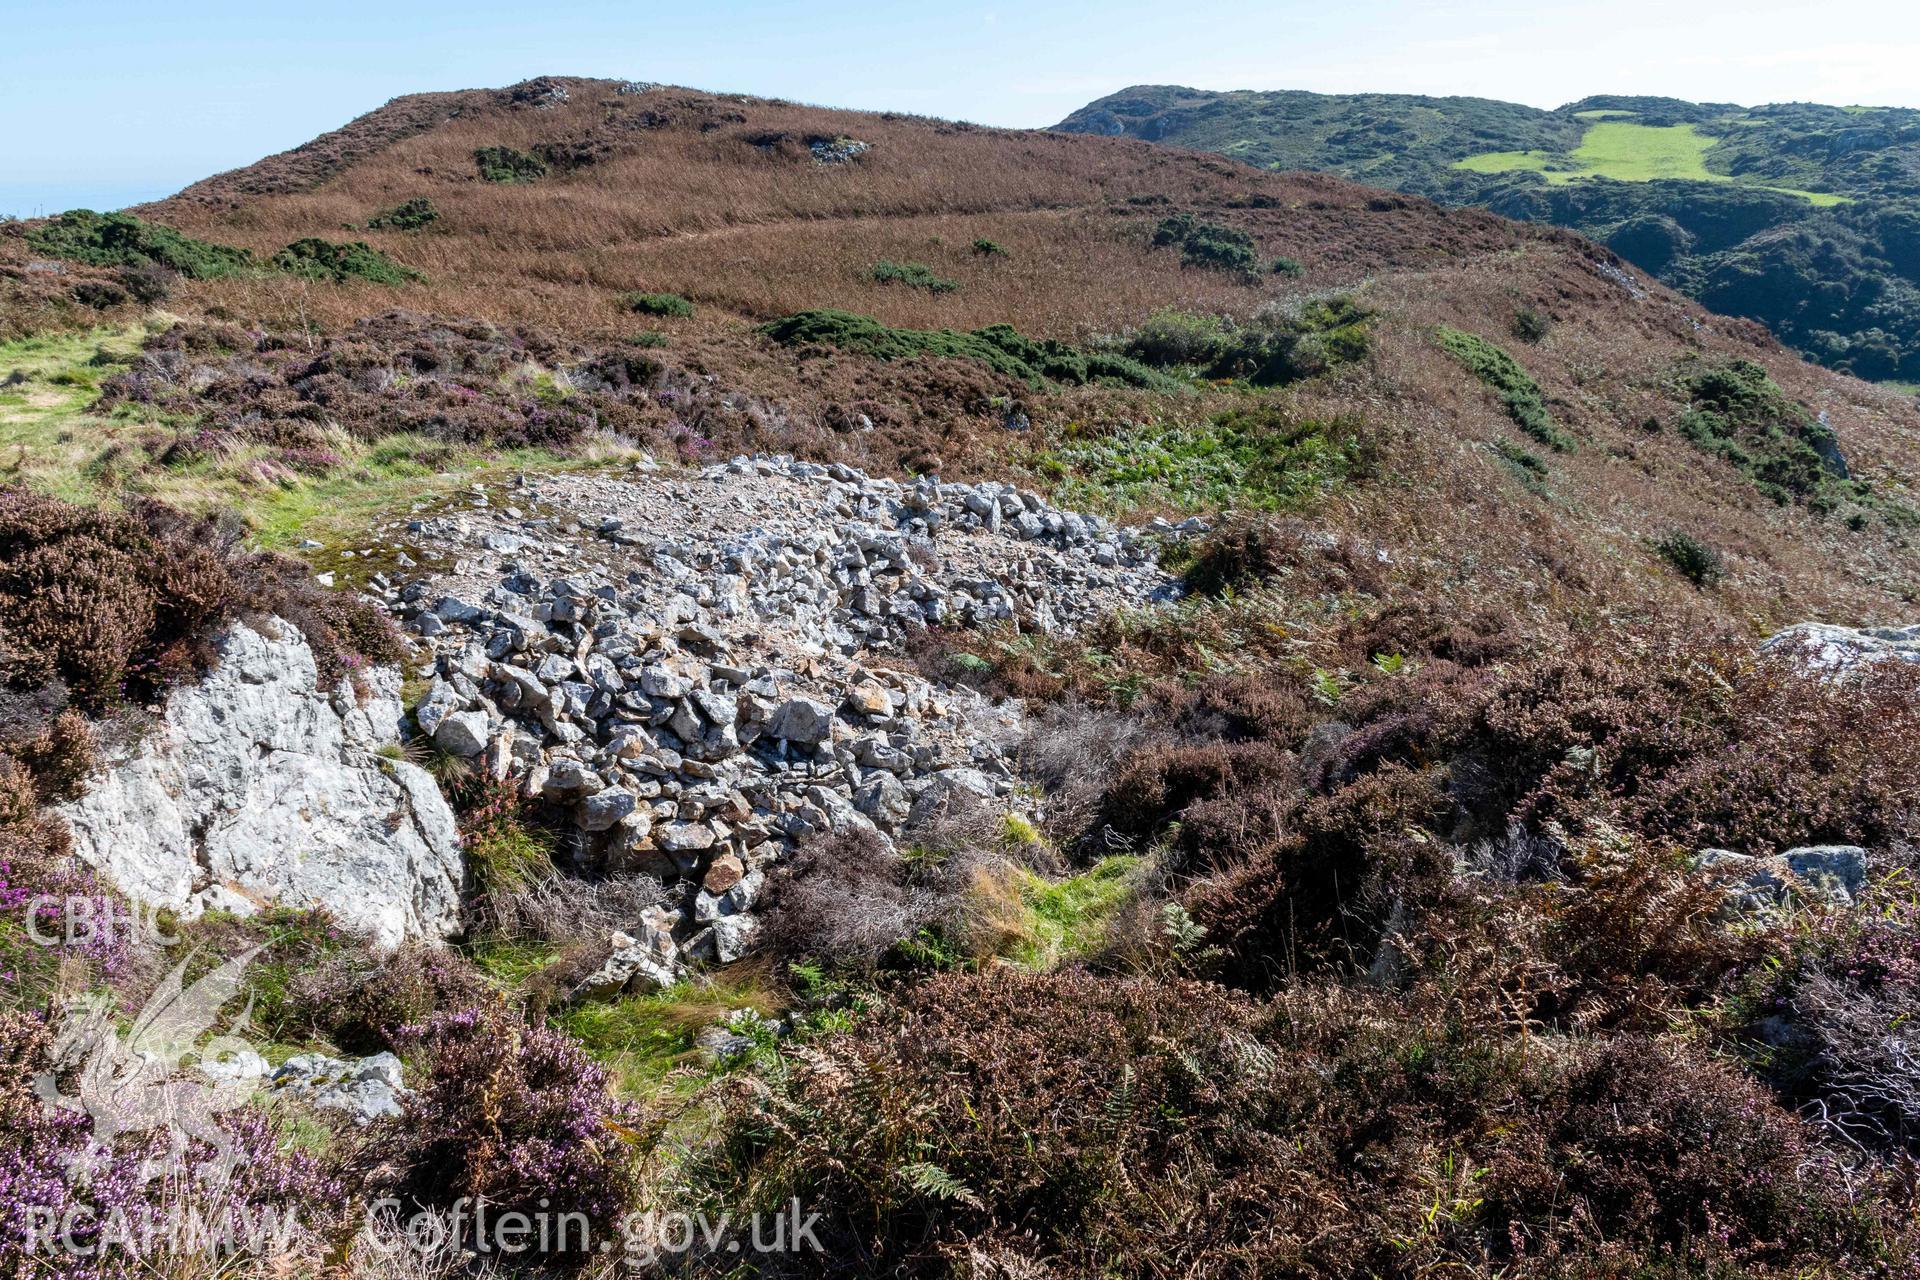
x: 464, y: 734
x: 684, y: 837
x: 805, y: 720
x: 603, y: 809
x: 1837, y: 870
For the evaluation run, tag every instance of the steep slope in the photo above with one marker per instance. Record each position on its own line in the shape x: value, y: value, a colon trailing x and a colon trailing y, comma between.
x: 1797, y: 215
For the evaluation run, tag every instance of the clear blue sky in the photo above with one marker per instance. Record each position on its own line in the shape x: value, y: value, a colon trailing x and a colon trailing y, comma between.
x: 109, y: 103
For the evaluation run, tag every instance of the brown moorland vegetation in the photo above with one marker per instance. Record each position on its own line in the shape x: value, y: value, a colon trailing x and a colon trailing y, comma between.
x: 1410, y: 971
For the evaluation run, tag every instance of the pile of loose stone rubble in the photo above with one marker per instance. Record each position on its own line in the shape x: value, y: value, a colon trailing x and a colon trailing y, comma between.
x: 697, y: 668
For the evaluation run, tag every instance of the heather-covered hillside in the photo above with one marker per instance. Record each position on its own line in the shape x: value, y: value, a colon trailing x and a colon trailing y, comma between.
x: 1071, y: 707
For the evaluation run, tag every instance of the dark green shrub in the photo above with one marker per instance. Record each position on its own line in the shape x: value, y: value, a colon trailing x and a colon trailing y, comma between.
x: 1000, y: 347
x: 1285, y: 266
x: 1270, y: 350
x: 408, y: 215
x: 989, y: 248
x: 1530, y: 326
x: 1693, y: 559
x: 1527, y: 463
x: 318, y: 259
x: 150, y: 282
x: 504, y: 164
x: 1170, y: 338
x: 122, y: 240
x: 916, y: 274
x: 648, y: 338
x: 1503, y: 374
x: 664, y: 305
x: 1208, y: 244
x: 1741, y: 414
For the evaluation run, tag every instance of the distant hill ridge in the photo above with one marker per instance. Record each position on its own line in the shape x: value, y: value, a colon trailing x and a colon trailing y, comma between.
x: 1802, y: 216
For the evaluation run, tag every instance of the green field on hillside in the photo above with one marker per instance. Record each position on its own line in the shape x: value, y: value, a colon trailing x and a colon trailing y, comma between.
x: 1626, y: 152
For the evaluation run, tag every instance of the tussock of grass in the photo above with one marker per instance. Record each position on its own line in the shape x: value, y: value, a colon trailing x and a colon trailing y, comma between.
x: 644, y: 1038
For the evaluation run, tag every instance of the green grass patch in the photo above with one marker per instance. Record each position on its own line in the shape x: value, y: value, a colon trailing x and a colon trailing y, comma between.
x: 1001, y: 347
x: 52, y: 441
x: 1261, y: 458
x: 1627, y: 152
x: 1502, y: 374
x: 1068, y: 918
x: 509, y: 962
x: 644, y: 1038
x: 917, y: 275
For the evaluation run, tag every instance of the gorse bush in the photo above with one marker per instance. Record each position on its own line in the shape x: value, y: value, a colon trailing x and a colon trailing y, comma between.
x: 915, y: 274
x: 318, y: 259
x: 665, y: 305
x: 1000, y: 347
x: 123, y: 240
x: 1272, y: 349
x: 1739, y: 413
x: 1519, y: 393
x: 1208, y: 244
x: 989, y: 248
x: 408, y: 215
x: 1693, y: 559
x: 1530, y: 326
x: 504, y: 164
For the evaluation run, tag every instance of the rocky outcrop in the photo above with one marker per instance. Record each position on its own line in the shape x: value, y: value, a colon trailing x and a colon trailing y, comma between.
x: 258, y: 787
x: 1821, y: 875
x: 1842, y: 648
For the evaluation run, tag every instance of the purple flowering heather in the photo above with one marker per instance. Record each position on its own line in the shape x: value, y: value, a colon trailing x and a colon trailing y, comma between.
x: 519, y: 1115
x: 69, y: 1212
